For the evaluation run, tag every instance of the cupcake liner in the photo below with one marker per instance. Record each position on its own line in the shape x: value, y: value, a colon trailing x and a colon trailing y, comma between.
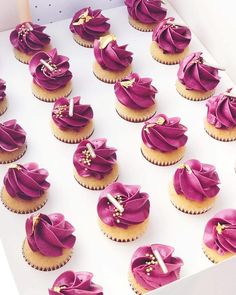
x: 17, y: 157
x: 191, y: 94
x: 219, y: 134
x: 140, y: 26
x: 41, y: 268
x: 135, y: 286
x: 82, y: 42
x: 51, y: 96
x: 218, y: 137
x: 160, y: 163
x: 73, y: 141
x: 208, y: 256
x: 25, y: 58
x: 213, y: 256
x: 192, y: 212
x: 121, y: 240
x: 135, y: 120
x: 3, y: 106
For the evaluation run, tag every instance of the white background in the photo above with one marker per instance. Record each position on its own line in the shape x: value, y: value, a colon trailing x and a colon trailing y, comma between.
x: 108, y: 260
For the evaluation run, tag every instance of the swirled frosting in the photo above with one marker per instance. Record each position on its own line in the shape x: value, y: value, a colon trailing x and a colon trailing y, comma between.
x: 195, y: 75
x: 164, y: 134
x: 171, y: 38
x: 82, y: 114
x: 146, y: 11
x: 53, y: 79
x: 110, y: 56
x: 2, y: 89
x: 89, y: 24
x: 100, y: 165
x: 49, y: 234
x: 220, y: 232
x: 26, y: 181
x: 147, y: 271
x: 135, y: 92
x: 196, y: 181
x: 29, y: 38
x: 222, y: 111
x: 12, y: 136
x: 74, y: 283
x: 136, y: 205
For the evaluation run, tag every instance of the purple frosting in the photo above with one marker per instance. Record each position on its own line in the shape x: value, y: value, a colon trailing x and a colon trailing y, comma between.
x: 2, y: 89
x: 12, y: 136
x: 53, y: 79
x: 222, y: 111
x: 196, y: 181
x: 171, y: 38
x: 135, y: 203
x: 146, y: 11
x: 26, y: 181
x: 49, y: 234
x: 75, y: 283
x: 29, y: 38
x: 147, y: 271
x: 135, y: 92
x: 195, y: 75
x: 99, y: 166
x: 82, y: 114
x: 220, y: 232
x: 164, y: 134
x: 89, y: 24
x: 112, y: 57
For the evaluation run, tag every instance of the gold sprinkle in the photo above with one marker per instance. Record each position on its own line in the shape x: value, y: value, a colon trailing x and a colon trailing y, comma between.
x: 127, y: 83
x: 160, y: 121
x: 83, y: 18
x: 105, y: 40
x: 58, y: 289
x: 36, y: 220
x: 220, y: 228
x: 15, y: 166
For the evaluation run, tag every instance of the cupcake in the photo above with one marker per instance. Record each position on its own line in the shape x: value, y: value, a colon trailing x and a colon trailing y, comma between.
x: 220, y: 122
x: 153, y: 267
x: 27, y: 39
x: 71, y: 121
x: 51, y: 75
x: 194, y: 188
x: 70, y: 282
x: 163, y: 140
x: 12, y: 142
x: 113, y: 62
x: 123, y: 212
x: 3, y: 98
x: 25, y: 188
x: 219, y: 241
x: 170, y: 42
x: 88, y: 25
x: 135, y: 98
x: 95, y: 164
x: 197, y: 80
x: 49, y: 241
x: 144, y: 15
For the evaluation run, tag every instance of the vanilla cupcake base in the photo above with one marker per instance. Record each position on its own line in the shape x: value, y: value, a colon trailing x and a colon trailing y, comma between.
x: 213, y: 255
x: 8, y: 157
x: 193, y: 94
x: 21, y: 206
x: 167, y: 58
x: 119, y: 234
x: 83, y: 42
x: 25, y: 58
x: 134, y: 115
x: 44, y: 263
x: 98, y: 184
x: 141, y: 26
x: 162, y: 159
x: 220, y: 134
x: 3, y: 106
x: 135, y: 286
x: 190, y: 206
x: 71, y: 136
x: 51, y: 96
x: 109, y: 76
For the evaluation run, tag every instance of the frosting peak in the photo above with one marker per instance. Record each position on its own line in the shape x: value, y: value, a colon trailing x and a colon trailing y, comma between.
x: 89, y: 24
x: 196, y: 181
x: 163, y: 133
x: 196, y: 75
x: 49, y: 234
x: 2, y: 89
x: 171, y: 38
x: 50, y: 70
x: 73, y: 283
x: 29, y: 38
x: 135, y: 92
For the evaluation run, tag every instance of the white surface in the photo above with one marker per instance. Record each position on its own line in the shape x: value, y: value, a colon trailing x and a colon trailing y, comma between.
x: 109, y: 261
x: 8, y: 14
x: 215, y: 25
